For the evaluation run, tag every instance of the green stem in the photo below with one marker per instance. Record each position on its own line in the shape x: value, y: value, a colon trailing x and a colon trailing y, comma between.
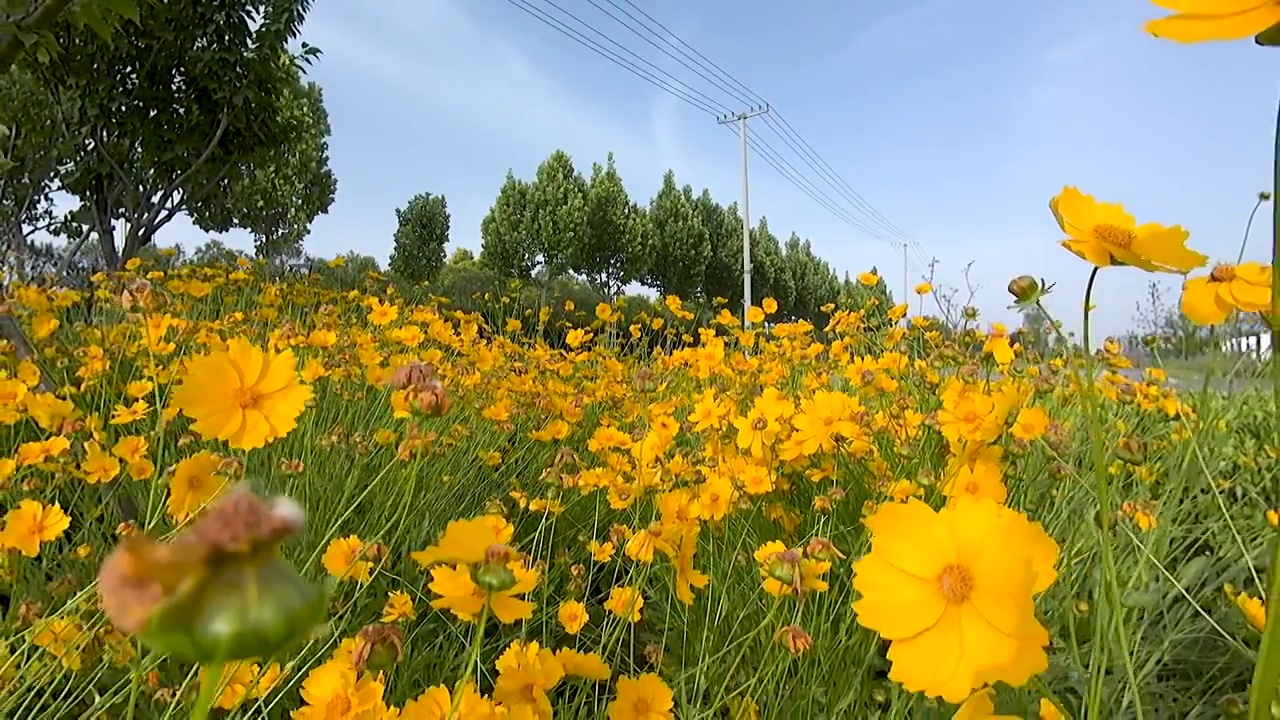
x: 473, y: 659
x: 1266, y: 674
x: 1244, y: 242
x: 1088, y: 308
x: 208, y: 692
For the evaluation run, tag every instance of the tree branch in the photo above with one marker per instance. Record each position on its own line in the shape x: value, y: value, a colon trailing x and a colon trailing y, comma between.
x: 42, y: 17
x: 165, y: 195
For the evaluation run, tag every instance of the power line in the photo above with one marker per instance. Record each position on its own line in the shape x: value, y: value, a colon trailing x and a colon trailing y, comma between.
x: 581, y: 39
x: 853, y: 203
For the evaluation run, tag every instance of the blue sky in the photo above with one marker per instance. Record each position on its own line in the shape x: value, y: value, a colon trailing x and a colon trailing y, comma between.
x: 956, y: 120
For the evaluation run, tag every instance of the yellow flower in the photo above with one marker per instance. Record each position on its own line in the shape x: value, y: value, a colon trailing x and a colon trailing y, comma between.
x: 1031, y: 423
x: 399, y: 607
x: 437, y: 702
x: 1209, y: 300
x: 573, y: 616
x: 1204, y: 20
x: 335, y: 690
x: 194, y: 483
x: 33, y: 523
x: 1255, y: 613
x: 584, y: 665
x: 1104, y: 234
x: 342, y: 559
x: 755, y: 315
x: 241, y: 395
x: 98, y: 465
x: 642, y: 698
x: 461, y: 595
x: 953, y: 591
x: 61, y: 638
x: 466, y: 541
x: 526, y: 672
x: 625, y: 602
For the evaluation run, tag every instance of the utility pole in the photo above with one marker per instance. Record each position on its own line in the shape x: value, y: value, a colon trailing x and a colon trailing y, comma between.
x: 905, y: 289
x: 741, y: 118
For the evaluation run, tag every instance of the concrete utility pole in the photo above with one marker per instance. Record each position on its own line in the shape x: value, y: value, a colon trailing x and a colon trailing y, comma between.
x: 905, y: 289
x: 741, y: 118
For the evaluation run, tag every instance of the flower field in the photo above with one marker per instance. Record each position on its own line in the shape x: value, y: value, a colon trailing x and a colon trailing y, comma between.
x: 647, y: 516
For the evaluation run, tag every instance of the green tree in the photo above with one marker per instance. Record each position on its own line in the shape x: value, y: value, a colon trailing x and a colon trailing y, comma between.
x: 812, y: 280
x: 462, y: 256
x: 278, y: 191
x: 26, y: 25
x: 215, y: 252
x: 677, y: 246
x: 558, y: 214
x: 768, y: 276
x: 507, y: 243
x: 422, y: 231
x: 607, y: 255
x: 723, y: 274
x: 194, y: 95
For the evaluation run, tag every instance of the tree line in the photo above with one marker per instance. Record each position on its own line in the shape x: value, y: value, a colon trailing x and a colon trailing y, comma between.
x: 562, y: 224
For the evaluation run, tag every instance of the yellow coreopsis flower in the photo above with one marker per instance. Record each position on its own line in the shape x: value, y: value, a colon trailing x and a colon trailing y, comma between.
x: 242, y: 395
x: 33, y: 523
x: 953, y: 591
x: 1104, y: 234
x: 1207, y: 20
x: 1211, y: 299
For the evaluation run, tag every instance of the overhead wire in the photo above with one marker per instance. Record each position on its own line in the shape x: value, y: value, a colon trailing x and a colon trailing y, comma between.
x: 871, y: 222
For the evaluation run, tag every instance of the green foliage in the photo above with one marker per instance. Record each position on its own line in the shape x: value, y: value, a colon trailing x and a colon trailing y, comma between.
x: 277, y: 192
x: 557, y: 212
x: 723, y: 275
x: 422, y: 231
x: 507, y: 243
x: 608, y: 254
x: 26, y: 25
x: 677, y: 246
x: 147, y: 147
x: 811, y: 281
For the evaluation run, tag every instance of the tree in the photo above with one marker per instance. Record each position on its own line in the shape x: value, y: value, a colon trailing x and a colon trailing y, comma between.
x: 280, y: 190
x: 607, y: 255
x: 462, y: 256
x: 26, y: 26
x: 557, y: 213
x: 216, y: 252
x: 189, y: 97
x: 422, y: 231
x: 812, y: 281
x: 723, y: 274
x: 768, y: 276
x: 33, y: 145
x: 507, y: 244
x: 677, y: 246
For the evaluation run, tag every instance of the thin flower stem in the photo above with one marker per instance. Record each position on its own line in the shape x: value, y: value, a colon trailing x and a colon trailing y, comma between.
x: 1244, y: 242
x: 208, y: 692
x: 455, y: 704
x: 1266, y: 674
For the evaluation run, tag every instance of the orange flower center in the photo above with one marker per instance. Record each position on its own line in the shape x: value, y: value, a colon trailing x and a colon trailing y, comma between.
x: 246, y: 398
x: 1114, y: 235
x: 971, y: 488
x: 956, y: 583
x: 1223, y: 273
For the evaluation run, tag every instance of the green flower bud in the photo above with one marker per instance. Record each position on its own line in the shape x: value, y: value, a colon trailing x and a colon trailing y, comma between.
x: 1024, y: 288
x: 493, y: 577
x: 251, y: 609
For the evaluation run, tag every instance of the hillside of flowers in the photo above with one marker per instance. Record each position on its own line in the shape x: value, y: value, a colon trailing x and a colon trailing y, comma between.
x: 236, y: 496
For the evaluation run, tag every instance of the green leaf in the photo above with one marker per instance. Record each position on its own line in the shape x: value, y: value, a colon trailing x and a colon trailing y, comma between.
x: 127, y: 9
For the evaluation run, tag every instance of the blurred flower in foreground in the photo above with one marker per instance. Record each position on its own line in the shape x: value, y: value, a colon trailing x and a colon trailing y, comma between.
x: 1205, y: 20
x: 218, y: 591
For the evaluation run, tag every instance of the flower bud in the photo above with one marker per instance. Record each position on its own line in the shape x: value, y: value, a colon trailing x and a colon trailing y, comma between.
x: 822, y: 549
x: 1132, y: 451
x: 1264, y: 196
x: 1024, y: 289
x: 218, y: 591
x: 378, y: 648
x: 794, y: 639
x: 782, y: 567
x: 493, y: 577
